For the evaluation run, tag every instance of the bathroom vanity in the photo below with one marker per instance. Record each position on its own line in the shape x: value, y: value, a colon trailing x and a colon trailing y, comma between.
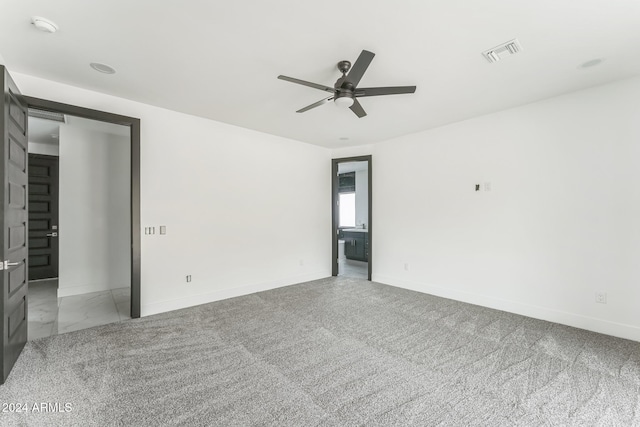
x: 356, y: 243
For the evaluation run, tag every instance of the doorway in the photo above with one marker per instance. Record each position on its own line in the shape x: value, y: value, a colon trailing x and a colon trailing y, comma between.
x: 83, y: 117
x: 351, y: 233
x: 79, y: 233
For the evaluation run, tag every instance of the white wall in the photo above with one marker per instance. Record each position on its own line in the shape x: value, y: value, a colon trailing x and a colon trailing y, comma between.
x: 362, y: 198
x: 46, y: 149
x: 561, y: 222
x: 236, y: 221
x: 94, y: 211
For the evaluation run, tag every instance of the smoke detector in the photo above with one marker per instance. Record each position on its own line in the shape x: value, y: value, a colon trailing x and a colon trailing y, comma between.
x: 44, y: 25
x: 497, y: 53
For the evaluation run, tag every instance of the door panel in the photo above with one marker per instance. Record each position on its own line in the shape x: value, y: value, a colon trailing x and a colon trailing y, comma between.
x: 43, y: 216
x: 16, y: 278
x: 17, y: 316
x: 13, y: 224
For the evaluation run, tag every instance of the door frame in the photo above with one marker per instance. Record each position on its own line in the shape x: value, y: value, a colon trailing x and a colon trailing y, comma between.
x: 134, y: 124
x: 335, y: 211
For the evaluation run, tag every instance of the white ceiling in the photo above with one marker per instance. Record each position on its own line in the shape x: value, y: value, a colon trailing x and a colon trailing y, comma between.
x: 220, y: 59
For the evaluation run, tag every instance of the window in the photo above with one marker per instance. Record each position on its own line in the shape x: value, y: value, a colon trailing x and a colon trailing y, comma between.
x: 347, y: 210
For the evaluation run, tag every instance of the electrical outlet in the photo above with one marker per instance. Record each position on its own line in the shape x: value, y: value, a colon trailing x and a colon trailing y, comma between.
x: 163, y: 229
x: 477, y: 187
x: 188, y: 278
x: 601, y: 297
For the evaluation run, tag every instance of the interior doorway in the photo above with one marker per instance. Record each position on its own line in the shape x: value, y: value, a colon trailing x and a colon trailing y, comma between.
x: 92, y: 124
x: 79, y: 214
x: 352, y: 217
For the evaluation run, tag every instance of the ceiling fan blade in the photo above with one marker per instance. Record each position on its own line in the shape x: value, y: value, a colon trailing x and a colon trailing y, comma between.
x: 304, y: 83
x: 357, y: 108
x: 315, y: 104
x: 376, y: 91
x: 359, y: 67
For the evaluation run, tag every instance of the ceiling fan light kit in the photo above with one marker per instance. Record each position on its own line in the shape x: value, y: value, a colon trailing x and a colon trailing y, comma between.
x: 344, y: 101
x: 345, y: 90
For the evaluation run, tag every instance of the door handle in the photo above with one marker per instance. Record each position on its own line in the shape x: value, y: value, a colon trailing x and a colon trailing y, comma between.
x: 52, y: 234
x: 6, y: 264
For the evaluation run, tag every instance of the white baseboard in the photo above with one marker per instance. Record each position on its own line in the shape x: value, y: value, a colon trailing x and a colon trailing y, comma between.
x: 602, y: 326
x: 68, y: 291
x: 193, y: 300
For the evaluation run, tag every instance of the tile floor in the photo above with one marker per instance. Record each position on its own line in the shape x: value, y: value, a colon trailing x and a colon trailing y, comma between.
x: 353, y: 268
x: 49, y: 315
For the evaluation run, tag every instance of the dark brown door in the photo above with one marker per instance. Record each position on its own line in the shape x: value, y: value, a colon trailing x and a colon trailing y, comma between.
x: 13, y: 229
x: 43, y: 216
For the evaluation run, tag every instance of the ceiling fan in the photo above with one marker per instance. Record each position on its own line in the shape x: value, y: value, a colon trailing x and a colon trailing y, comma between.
x: 345, y: 90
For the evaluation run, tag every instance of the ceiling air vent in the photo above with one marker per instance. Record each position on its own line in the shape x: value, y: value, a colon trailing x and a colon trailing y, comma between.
x: 497, y: 53
x: 47, y: 115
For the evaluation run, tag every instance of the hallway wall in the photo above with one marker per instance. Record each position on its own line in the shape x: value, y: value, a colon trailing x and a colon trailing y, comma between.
x: 95, y: 208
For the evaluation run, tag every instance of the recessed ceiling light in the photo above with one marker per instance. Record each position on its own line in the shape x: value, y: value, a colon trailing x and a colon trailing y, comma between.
x: 43, y: 24
x: 103, y: 68
x: 591, y: 63
x: 344, y: 138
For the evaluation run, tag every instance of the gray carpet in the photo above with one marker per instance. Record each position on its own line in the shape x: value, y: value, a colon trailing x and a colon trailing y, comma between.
x: 333, y: 352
